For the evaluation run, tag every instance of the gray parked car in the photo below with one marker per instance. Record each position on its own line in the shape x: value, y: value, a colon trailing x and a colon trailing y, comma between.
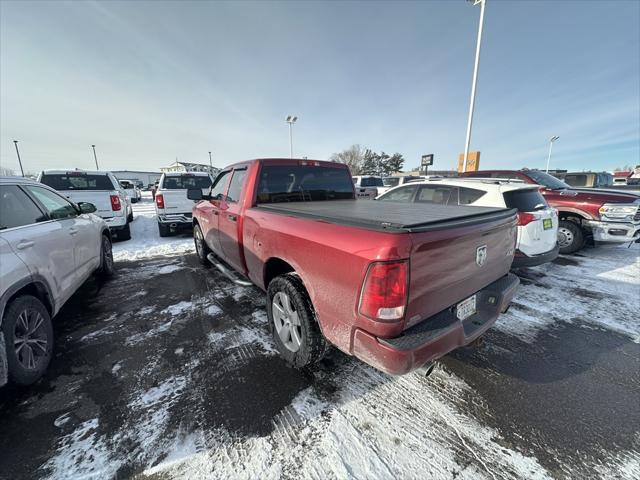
x: 48, y: 248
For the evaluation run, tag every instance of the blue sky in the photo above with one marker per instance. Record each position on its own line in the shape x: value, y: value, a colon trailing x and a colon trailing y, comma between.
x: 151, y: 81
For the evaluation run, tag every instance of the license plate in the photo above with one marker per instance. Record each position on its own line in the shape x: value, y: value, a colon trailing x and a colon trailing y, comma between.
x: 547, y: 224
x: 466, y: 308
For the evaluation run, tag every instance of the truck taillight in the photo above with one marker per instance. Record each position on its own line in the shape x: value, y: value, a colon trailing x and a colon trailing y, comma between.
x: 525, y: 218
x: 384, y: 293
x: 115, y: 203
x: 159, y: 201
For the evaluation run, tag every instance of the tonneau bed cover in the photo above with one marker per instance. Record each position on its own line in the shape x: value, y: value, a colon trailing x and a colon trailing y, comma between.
x: 389, y: 216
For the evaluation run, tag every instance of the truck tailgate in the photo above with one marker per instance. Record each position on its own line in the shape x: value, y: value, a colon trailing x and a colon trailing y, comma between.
x: 449, y: 265
x: 100, y: 198
x: 176, y: 201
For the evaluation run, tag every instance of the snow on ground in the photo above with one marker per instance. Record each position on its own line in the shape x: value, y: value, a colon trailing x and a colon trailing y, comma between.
x: 145, y: 240
x: 600, y: 288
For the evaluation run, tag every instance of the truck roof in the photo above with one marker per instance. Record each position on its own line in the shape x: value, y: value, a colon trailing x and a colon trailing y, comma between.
x: 389, y: 216
x: 487, y: 184
x: 287, y: 161
x: 76, y: 171
x: 179, y: 174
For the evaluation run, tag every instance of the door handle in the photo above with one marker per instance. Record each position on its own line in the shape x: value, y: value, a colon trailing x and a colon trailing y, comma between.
x: 24, y: 244
x: 73, y: 230
x: 233, y: 218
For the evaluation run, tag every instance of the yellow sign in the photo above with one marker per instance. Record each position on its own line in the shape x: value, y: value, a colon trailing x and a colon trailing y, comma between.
x: 473, y: 162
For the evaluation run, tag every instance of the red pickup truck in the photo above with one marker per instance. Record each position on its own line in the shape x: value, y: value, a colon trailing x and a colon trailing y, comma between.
x: 396, y: 286
x: 606, y: 215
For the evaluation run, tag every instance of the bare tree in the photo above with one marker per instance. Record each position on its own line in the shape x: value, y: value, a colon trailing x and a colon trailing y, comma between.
x: 352, y: 156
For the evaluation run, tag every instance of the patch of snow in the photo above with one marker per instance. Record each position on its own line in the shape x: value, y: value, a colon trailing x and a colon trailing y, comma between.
x: 145, y: 239
x: 179, y: 351
x: 146, y: 311
x: 116, y: 368
x: 602, y: 289
x: 213, y: 310
x: 169, y: 269
x: 62, y: 419
x: 82, y: 455
x: 178, y: 308
x: 171, y: 387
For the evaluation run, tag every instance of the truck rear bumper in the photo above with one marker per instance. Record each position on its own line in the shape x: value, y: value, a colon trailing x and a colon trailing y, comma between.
x: 522, y: 260
x: 115, y: 223
x: 436, y: 336
x: 177, y: 219
x: 618, y: 232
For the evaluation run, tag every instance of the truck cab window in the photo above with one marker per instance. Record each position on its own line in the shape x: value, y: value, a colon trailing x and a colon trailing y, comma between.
x: 219, y: 186
x: 235, y: 187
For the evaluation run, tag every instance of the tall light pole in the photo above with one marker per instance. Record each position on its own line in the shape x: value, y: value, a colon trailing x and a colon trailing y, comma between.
x: 473, y: 83
x: 210, y: 163
x: 291, y: 120
x: 15, y: 142
x: 551, y: 140
x: 94, y: 156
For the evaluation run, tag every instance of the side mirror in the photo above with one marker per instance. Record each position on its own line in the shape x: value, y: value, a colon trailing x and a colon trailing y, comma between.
x: 194, y: 194
x: 86, y: 207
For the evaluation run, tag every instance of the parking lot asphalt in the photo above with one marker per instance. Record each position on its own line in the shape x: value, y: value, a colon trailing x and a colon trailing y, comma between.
x: 168, y: 371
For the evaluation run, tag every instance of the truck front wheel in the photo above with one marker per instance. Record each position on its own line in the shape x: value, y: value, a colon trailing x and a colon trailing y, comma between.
x: 570, y: 237
x: 292, y: 320
x: 202, y: 249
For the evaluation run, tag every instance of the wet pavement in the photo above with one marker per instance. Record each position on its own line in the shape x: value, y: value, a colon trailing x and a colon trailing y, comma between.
x: 170, y: 353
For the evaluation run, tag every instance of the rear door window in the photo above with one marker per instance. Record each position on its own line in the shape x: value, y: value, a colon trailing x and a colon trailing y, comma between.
x: 371, y: 182
x: 17, y: 209
x: 235, y: 187
x: 467, y: 196
x: 525, y: 200
x: 402, y: 194
x: 77, y: 181
x: 185, y: 182
x: 58, y: 207
x: 439, y: 194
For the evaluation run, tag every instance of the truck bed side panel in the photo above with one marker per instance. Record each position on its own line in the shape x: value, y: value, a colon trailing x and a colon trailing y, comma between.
x: 331, y: 260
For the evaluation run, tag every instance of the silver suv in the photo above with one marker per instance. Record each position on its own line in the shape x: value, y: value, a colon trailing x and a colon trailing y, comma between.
x: 48, y: 248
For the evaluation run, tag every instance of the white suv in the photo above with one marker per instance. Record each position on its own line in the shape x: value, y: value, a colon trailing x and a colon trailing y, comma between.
x: 537, y: 241
x: 173, y: 208
x: 100, y: 188
x: 367, y: 185
x: 48, y: 248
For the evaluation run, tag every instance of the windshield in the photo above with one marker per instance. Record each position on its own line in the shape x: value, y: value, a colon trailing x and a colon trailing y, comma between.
x: 295, y: 183
x: 371, y: 182
x: 77, y: 181
x: 185, y: 182
x: 549, y: 181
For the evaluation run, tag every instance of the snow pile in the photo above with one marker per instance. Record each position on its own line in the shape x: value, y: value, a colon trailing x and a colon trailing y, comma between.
x: 146, y: 241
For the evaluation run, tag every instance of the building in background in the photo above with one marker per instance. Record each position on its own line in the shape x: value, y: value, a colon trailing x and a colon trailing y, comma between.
x: 137, y: 176
x: 190, y: 167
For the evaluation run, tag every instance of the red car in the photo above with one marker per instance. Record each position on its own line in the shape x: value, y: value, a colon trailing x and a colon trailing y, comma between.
x: 605, y: 215
x: 393, y: 285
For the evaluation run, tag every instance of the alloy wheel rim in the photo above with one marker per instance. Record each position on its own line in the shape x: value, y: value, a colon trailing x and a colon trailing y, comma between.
x: 566, y: 237
x: 30, y: 339
x: 286, y: 322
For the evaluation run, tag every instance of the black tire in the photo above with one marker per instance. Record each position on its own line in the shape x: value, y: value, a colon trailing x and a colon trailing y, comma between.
x: 570, y: 237
x: 130, y: 217
x: 163, y: 230
x: 107, y: 268
x: 125, y: 233
x: 27, y: 361
x: 312, y: 345
x: 202, y: 249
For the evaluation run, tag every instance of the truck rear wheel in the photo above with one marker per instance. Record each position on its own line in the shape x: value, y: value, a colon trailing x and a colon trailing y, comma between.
x: 163, y: 230
x: 293, y: 323
x: 28, y: 335
x: 202, y: 249
x: 570, y: 237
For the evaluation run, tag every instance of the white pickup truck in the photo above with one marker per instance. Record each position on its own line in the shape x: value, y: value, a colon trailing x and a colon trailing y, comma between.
x: 99, y: 188
x: 173, y: 208
x: 131, y: 189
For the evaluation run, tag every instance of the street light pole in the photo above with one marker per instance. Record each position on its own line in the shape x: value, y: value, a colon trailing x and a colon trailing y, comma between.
x: 473, y: 83
x: 291, y: 120
x: 94, y: 156
x: 210, y: 163
x: 551, y: 140
x: 15, y: 142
